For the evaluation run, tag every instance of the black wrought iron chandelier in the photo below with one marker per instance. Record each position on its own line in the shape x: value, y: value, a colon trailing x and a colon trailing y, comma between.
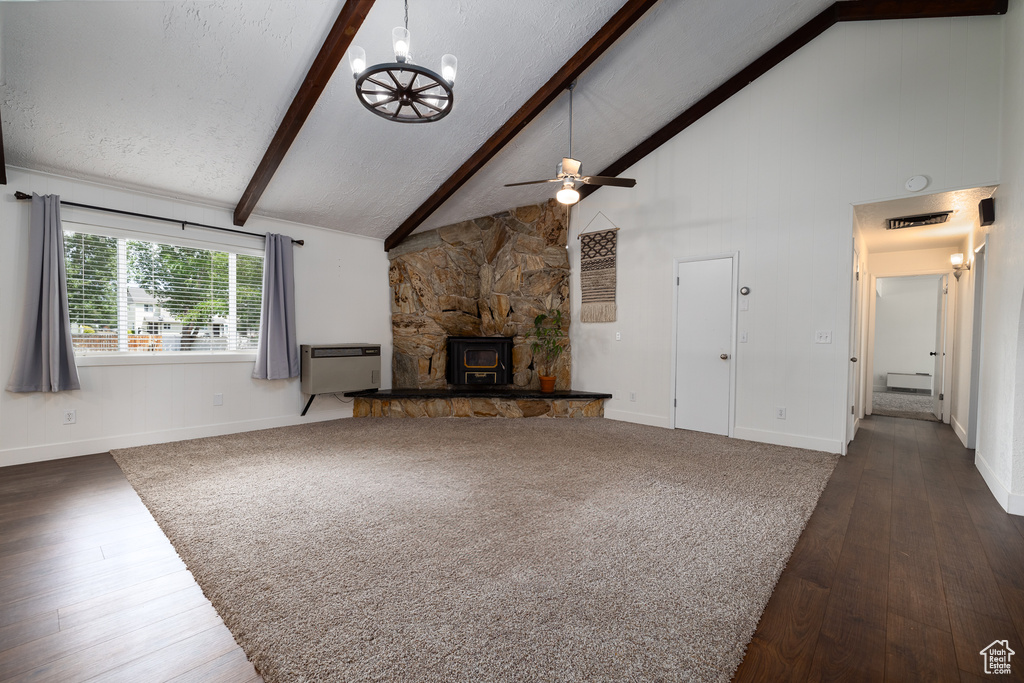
x: 400, y: 90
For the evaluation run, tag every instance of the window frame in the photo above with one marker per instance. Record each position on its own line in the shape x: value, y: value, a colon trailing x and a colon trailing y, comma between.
x: 119, y: 229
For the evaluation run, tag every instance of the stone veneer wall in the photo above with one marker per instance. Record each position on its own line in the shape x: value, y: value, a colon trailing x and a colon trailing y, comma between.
x: 484, y: 277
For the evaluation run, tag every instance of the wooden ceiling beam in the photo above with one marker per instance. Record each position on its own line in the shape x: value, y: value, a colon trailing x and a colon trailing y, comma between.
x: 331, y: 53
x: 844, y: 10
x: 629, y: 14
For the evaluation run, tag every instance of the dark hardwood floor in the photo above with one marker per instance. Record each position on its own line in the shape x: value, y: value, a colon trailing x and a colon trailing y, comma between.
x: 906, y: 570
x: 90, y: 588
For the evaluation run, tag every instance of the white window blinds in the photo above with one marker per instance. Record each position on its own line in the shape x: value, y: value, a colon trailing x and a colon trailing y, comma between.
x: 132, y: 295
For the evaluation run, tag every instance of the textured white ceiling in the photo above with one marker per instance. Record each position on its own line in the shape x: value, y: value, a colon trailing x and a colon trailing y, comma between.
x: 872, y: 220
x: 182, y: 98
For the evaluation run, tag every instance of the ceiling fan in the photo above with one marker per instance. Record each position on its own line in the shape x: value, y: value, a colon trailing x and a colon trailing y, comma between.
x: 568, y: 172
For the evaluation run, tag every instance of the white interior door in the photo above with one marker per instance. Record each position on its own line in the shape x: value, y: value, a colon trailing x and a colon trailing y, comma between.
x: 940, y: 349
x: 853, y: 378
x: 704, y: 328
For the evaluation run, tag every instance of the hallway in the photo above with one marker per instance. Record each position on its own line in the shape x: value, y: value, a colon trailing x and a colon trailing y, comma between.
x: 906, y: 570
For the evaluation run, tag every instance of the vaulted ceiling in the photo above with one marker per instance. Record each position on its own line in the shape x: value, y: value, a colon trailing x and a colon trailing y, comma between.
x: 182, y: 98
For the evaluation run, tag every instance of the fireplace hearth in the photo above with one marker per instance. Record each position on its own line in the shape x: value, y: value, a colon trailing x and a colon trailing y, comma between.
x: 479, y: 361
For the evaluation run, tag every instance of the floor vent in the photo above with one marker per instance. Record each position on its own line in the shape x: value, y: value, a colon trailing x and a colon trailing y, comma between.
x: 918, y: 221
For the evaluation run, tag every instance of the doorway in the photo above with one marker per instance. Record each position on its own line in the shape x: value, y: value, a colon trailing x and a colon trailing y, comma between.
x: 704, y: 344
x: 909, y: 350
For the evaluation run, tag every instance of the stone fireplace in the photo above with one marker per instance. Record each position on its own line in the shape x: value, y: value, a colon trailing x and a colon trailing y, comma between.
x: 487, y: 277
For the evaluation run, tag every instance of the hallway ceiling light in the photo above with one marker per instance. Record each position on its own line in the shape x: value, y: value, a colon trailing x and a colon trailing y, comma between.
x: 400, y: 90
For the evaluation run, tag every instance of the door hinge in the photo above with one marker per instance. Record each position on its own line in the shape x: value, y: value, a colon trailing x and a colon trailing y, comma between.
x: 674, y: 404
x: 852, y: 411
x: 677, y: 282
x: 942, y: 397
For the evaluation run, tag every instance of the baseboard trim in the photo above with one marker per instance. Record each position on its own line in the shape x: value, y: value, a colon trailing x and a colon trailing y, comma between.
x: 1013, y: 503
x: 638, y: 418
x: 70, y: 449
x: 813, y: 443
x: 960, y: 431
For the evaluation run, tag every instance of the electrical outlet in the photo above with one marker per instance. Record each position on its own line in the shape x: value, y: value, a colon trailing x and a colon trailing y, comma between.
x: 632, y: 396
x: 780, y: 413
x: 618, y: 336
x: 823, y: 337
x: 218, y: 399
x: 743, y: 337
x: 70, y: 417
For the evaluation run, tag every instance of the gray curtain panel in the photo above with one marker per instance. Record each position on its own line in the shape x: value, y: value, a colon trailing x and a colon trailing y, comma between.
x: 45, y: 359
x: 277, y: 355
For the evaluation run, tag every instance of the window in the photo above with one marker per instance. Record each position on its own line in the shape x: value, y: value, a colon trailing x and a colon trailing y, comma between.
x: 133, y: 295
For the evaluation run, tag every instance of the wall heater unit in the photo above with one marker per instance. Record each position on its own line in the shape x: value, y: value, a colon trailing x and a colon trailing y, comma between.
x: 337, y: 368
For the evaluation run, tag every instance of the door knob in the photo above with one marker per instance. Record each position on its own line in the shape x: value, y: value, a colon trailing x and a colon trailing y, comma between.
x: 854, y: 359
x: 724, y: 356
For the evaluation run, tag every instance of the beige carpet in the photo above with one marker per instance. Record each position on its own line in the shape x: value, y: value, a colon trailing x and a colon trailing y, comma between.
x: 483, y: 549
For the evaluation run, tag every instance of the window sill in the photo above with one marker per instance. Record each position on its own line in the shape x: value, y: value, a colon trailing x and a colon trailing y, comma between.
x: 163, y: 358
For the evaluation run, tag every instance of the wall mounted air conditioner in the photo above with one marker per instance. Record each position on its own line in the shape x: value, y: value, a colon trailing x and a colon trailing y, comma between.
x: 337, y: 368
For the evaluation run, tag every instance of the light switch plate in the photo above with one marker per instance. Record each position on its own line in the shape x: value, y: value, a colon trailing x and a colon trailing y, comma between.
x: 823, y: 337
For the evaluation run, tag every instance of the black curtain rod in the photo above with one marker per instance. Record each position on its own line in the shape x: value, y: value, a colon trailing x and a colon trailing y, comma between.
x: 22, y: 195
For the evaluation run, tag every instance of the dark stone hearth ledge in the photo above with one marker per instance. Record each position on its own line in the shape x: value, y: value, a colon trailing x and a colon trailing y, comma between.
x: 481, y: 392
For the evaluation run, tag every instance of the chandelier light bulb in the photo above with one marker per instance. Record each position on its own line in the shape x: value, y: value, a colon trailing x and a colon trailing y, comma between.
x: 357, y: 60
x: 449, y: 65
x: 400, y: 41
x: 568, y: 194
x: 957, y: 260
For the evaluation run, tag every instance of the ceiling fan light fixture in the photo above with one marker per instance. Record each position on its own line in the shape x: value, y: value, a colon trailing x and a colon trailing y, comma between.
x: 568, y: 194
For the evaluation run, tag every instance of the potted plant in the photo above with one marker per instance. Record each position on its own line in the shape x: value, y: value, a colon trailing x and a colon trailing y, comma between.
x: 547, y: 347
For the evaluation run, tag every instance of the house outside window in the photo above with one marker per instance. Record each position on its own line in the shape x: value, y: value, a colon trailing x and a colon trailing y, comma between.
x: 138, y: 296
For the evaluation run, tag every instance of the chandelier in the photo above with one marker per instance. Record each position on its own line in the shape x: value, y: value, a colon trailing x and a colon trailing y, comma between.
x: 400, y: 90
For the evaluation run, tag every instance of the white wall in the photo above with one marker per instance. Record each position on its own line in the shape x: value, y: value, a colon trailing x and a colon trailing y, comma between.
x: 963, y: 346
x: 918, y: 261
x: 906, y: 311
x: 341, y: 288
x: 1000, y: 454
x: 772, y: 174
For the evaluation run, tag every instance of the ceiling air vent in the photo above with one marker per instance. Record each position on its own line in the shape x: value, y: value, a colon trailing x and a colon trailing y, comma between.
x: 917, y: 221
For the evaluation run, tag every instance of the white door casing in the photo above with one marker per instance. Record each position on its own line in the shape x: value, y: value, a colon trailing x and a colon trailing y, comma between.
x: 704, y: 346
x: 853, y: 376
x: 940, y: 349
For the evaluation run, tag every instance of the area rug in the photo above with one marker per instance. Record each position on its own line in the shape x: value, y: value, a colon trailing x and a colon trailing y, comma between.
x: 903, y: 404
x: 483, y: 549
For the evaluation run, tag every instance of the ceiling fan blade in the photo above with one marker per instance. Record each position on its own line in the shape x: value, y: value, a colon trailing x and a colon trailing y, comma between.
x: 534, y: 182
x: 608, y: 180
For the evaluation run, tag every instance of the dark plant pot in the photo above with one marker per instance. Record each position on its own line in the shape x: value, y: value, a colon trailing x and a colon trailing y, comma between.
x: 547, y: 384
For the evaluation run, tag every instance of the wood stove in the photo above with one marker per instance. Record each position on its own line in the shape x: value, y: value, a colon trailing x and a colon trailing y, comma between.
x: 479, y: 360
